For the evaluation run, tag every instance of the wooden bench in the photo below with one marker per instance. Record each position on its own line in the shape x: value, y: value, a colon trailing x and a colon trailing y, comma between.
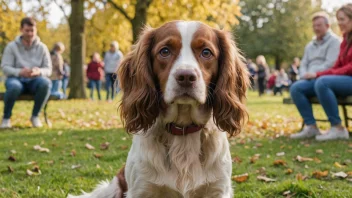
x: 27, y: 97
x: 344, y: 102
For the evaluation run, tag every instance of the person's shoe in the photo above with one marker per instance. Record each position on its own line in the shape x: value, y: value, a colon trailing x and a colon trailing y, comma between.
x: 36, y: 122
x: 307, y: 132
x: 5, y: 124
x: 333, y: 134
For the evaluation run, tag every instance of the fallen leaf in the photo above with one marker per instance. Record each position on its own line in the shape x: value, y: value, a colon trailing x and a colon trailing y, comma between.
x: 254, y: 158
x: 240, y: 178
x: 75, y: 166
x: 104, y: 146
x: 335, y: 155
x: 266, y: 179
x: 300, y: 177
x: 319, y: 151
x: 340, y: 174
x: 124, y: 138
x: 289, y: 171
x: 317, y: 160
x: 280, y: 154
x: 32, y: 163
x: 51, y: 162
x: 320, y: 174
x: 350, y: 145
x: 349, y: 173
x: 279, y: 163
x: 36, y: 170
x: 97, y: 155
x: 259, y: 145
x: 286, y: 193
x: 261, y: 171
x: 97, y: 166
x: 10, y: 169
x: 303, y: 159
x: 13, y: 151
x: 338, y: 165
x: 25, y: 144
x: 90, y: 147
x: 12, y: 158
x: 350, y: 180
x: 124, y: 147
x: 237, y: 160
x: 73, y: 153
x: 41, y: 149
x: 59, y: 133
x: 29, y: 172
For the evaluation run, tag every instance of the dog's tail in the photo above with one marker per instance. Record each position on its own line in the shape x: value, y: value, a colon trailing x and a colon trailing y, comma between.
x: 117, y: 188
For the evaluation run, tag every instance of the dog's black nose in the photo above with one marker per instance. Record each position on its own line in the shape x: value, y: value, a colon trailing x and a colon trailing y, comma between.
x: 186, y: 77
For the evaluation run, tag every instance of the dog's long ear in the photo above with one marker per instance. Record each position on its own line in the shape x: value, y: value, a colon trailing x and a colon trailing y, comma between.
x: 139, y: 106
x: 229, y: 110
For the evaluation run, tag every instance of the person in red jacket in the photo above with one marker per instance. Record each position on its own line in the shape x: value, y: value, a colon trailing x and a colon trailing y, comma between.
x: 95, y: 73
x: 336, y: 81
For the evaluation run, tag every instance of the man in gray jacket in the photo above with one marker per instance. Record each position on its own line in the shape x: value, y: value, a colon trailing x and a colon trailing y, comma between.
x: 26, y: 63
x: 319, y: 55
x: 112, y: 60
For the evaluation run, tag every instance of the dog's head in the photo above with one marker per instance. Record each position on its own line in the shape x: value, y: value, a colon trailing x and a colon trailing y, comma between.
x: 183, y: 63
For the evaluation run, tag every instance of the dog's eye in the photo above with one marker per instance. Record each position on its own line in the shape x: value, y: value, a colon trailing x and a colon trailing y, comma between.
x: 165, y: 52
x: 206, y: 53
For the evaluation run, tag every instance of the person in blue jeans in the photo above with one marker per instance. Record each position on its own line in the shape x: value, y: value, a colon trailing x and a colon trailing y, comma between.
x: 27, y: 66
x: 58, y: 70
x: 95, y: 71
x: 112, y: 60
x: 327, y: 86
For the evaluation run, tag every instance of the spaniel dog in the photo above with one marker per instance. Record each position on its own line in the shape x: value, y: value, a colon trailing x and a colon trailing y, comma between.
x: 184, y: 86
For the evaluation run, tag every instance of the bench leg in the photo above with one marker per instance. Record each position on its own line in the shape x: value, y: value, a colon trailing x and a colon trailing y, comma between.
x: 47, y: 121
x: 345, y: 115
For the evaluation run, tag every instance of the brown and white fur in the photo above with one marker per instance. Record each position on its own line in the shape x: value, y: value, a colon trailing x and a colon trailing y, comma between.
x: 160, y: 164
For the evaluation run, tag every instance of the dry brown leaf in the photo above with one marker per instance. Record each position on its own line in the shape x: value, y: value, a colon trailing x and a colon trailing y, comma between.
x: 303, y: 159
x: 240, y: 178
x: 349, y: 173
x: 12, y: 158
x: 319, y: 151
x: 73, y: 153
x: 124, y: 147
x: 266, y: 179
x: 32, y: 163
x: 300, y: 177
x: 237, y: 160
x: 340, y: 174
x: 289, y: 171
x: 317, y: 160
x: 36, y: 169
x: 320, y: 174
x: 338, y: 165
x: 59, y: 133
x: 90, y: 147
x: 279, y: 163
x: 51, y: 162
x: 286, y: 193
x: 104, y: 146
x: 350, y: 145
x: 29, y: 172
x: 10, y: 169
x: 254, y: 158
x: 13, y: 151
x: 97, y: 155
x: 350, y: 180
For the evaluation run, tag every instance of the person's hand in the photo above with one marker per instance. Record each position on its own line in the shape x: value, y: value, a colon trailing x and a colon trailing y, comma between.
x: 310, y: 76
x: 25, y: 72
x: 35, y: 72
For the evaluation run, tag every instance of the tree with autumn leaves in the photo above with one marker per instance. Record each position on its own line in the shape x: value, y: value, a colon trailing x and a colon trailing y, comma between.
x: 93, y: 24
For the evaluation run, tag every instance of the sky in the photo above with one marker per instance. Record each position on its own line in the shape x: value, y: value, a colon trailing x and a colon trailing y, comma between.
x: 56, y: 14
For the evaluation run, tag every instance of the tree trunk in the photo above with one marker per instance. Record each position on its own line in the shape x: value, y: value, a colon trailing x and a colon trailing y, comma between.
x: 140, y: 17
x: 76, y: 23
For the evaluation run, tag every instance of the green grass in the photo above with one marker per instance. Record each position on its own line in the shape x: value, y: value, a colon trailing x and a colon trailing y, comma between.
x: 93, y: 122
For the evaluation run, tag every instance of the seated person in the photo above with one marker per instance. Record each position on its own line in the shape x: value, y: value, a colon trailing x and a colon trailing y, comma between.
x: 326, y: 85
x: 27, y: 65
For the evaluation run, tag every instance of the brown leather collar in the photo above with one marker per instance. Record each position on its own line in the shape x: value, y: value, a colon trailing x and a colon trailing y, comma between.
x: 182, y: 130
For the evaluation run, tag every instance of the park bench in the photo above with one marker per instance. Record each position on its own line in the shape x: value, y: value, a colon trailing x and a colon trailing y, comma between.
x: 27, y: 97
x: 344, y: 102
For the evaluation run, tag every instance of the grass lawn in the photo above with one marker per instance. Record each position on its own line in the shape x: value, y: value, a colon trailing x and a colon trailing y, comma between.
x: 70, y: 166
